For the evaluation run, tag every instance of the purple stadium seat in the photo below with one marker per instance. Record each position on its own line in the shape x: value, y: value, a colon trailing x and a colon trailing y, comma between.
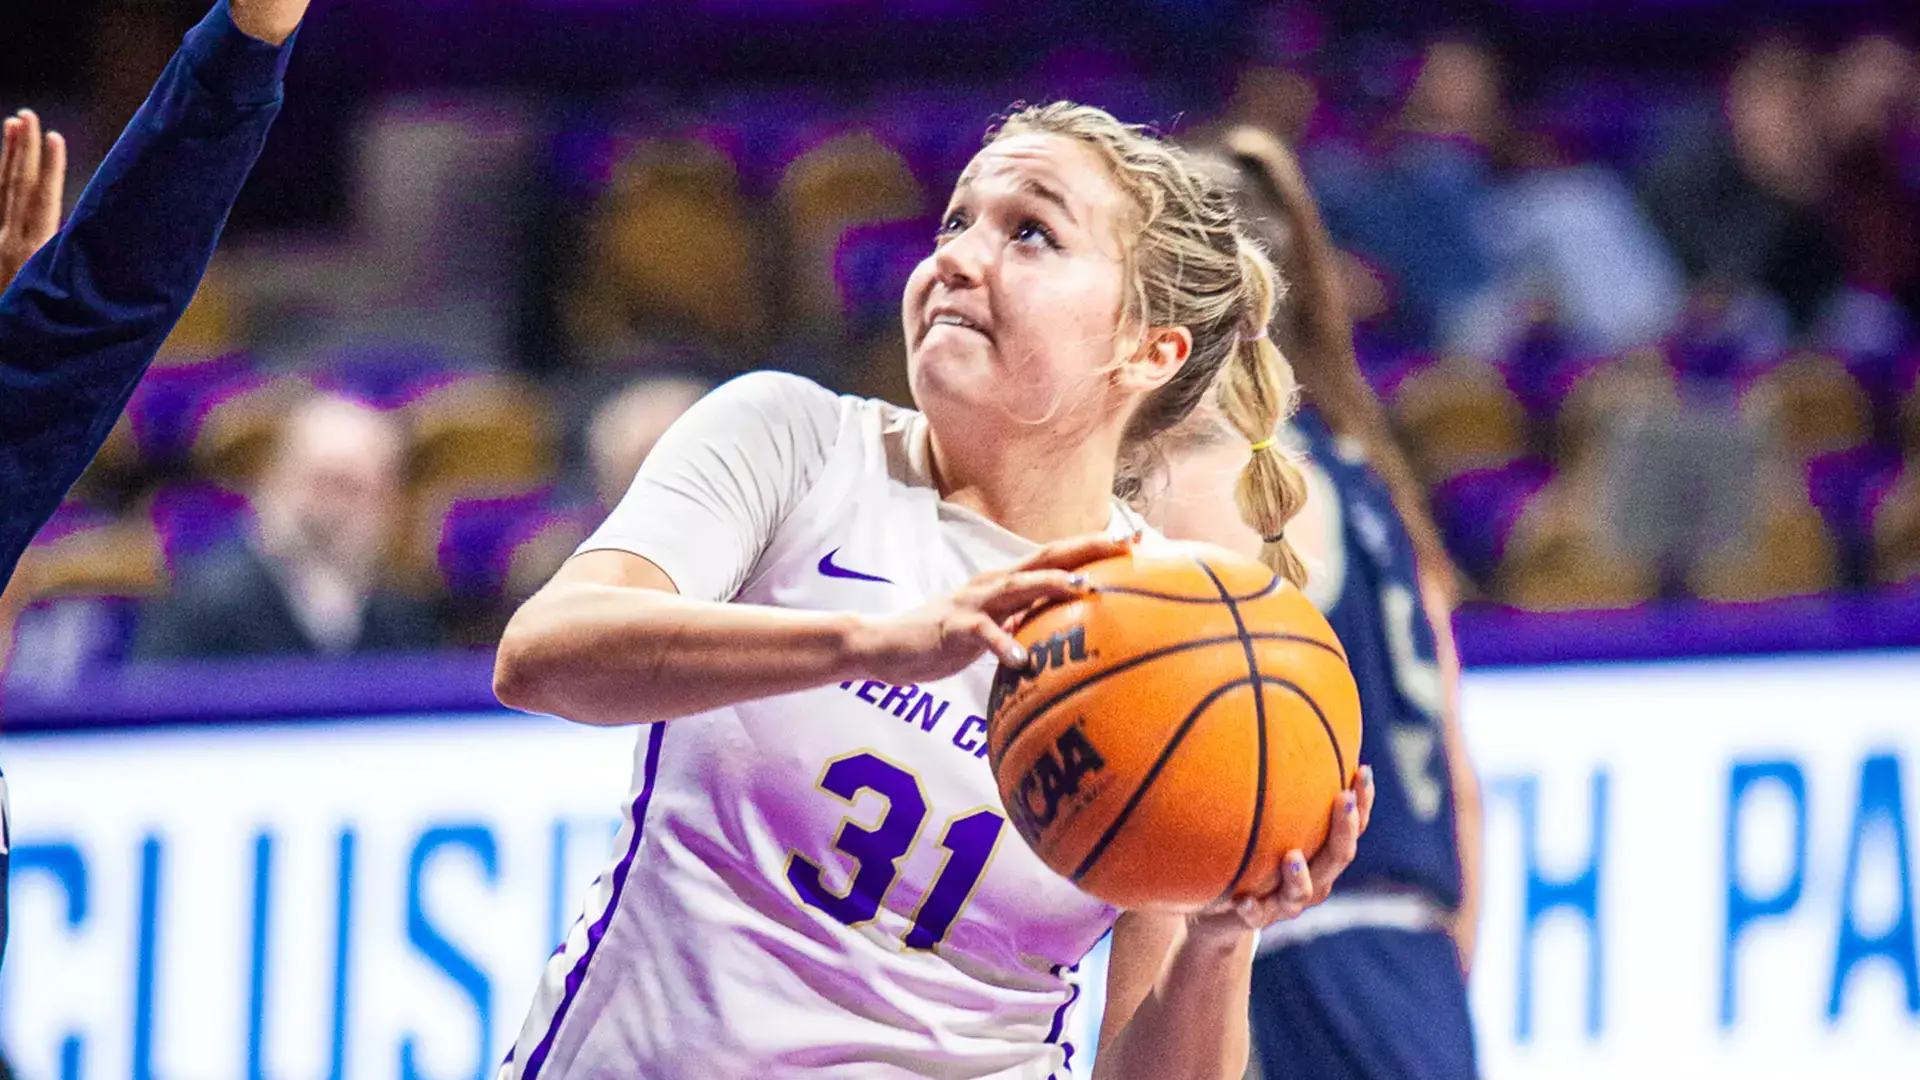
x: 1880, y: 376
x: 192, y: 516
x: 71, y: 516
x: 846, y: 178
x: 384, y: 375
x: 584, y: 152
x: 167, y: 406
x: 82, y: 582
x: 501, y: 549
x: 937, y: 128
x: 755, y: 127
x: 1476, y: 510
x: 1541, y: 367
x: 1385, y: 360
x: 870, y: 269
x: 1839, y: 482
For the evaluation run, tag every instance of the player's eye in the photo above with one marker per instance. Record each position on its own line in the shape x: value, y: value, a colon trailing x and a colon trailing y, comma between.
x: 954, y: 225
x: 1032, y: 231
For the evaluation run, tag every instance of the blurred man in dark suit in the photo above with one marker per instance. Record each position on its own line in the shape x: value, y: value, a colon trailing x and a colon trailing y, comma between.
x: 308, y: 580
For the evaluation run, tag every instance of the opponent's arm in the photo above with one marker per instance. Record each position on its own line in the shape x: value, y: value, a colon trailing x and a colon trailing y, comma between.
x: 1178, y: 986
x: 89, y: 310
x: 1318, y: 311
x: 611, y: 641
x: 1468, y: 831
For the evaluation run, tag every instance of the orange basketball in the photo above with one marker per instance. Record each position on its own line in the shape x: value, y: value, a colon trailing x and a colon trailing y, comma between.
x: 1183, y: 725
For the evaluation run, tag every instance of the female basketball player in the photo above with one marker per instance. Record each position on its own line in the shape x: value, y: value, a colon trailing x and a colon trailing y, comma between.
x: 804, y: 595
x: 1369, y: 985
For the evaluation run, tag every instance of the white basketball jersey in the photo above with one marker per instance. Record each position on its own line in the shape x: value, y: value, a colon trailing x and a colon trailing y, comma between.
x: 821, y: 884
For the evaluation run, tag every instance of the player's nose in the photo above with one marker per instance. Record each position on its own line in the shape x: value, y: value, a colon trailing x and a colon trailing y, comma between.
x: 961, y: 262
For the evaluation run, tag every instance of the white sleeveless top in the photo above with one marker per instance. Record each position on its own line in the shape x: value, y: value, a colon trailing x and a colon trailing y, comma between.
x: 820, y: 884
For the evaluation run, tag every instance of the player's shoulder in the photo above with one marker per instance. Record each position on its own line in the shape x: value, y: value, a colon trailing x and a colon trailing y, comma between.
x: 797, y: 401
x: 777, y: 395
x: 830, y: 439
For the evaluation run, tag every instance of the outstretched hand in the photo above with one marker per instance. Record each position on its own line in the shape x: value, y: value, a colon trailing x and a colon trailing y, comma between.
x: 271, y: 21
x: 33, y: 172
x: 1302, y: 883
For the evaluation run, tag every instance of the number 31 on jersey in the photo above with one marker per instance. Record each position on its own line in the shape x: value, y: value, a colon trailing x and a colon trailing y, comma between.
x: 969, y: 840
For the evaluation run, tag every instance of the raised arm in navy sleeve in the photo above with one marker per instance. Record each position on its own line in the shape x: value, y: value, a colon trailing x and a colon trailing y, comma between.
x: 86, y: 315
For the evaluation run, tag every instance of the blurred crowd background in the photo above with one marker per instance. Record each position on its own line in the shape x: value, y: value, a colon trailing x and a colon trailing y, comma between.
x: 1640, y: 285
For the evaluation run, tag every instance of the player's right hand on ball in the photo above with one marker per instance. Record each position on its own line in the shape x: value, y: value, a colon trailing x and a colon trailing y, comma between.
x: 945, y: 636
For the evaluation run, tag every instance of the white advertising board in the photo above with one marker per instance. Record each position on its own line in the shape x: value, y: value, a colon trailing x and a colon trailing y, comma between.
x: 1699, y: 869
x: 1694, y: 869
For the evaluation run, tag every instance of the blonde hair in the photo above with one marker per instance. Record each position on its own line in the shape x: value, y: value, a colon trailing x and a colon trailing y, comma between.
x: 1190, y: 264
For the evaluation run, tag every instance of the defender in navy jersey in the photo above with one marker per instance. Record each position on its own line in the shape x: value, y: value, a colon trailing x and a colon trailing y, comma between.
x: 94, y: 301
x: 1369, y: 986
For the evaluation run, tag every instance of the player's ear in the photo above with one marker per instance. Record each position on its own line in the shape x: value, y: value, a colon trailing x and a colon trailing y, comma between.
x: 1163, y: 351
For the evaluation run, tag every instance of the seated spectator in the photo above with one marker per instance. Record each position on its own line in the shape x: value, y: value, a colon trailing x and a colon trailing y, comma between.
x: 1479, y: 224
x: 627, y: 425
x: 1739, y: 203
x: 1874, y: 210
x: 1408, y: 209
x: 308, y: 578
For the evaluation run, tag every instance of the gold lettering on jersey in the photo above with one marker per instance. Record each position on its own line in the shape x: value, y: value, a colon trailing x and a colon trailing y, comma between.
x: 924, y: 709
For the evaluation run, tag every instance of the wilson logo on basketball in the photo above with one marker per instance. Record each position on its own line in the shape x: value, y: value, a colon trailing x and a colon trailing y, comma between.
x: 1057, y: 776
x: 1069, y: 646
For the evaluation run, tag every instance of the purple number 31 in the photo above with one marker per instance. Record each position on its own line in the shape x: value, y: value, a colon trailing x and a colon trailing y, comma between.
x: 876, y: 852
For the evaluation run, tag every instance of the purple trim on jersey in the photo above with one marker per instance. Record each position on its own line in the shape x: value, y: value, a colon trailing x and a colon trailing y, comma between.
x: 599, y: 928
x: 1060, y: 1019
x: 1060, y: 1014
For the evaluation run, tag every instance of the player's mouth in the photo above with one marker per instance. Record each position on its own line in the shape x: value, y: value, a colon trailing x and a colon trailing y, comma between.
x: 950, y: 317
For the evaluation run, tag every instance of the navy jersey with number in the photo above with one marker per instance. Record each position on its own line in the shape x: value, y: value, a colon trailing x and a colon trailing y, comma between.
x: 1368, y: 591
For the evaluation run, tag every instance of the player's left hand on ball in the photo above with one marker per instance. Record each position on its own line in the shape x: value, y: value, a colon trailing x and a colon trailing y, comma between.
x: 1303, y: 883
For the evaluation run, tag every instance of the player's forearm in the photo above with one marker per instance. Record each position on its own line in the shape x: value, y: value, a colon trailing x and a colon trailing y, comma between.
x: 85, y: 316
x: 141, y: 233
x: 1194, y: 1022
x: 1322, y: 321
x: 1467, y: 829
x: 1471, y: 839
x: 609, y: 655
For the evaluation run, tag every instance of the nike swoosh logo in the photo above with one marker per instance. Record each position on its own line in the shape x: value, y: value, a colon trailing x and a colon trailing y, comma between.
x: 830, y: 569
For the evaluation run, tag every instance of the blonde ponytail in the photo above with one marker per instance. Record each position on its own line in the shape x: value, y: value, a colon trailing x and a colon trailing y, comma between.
x: 1257, y: 394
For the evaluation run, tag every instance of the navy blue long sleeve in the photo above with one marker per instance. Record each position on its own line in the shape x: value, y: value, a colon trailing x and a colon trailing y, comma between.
x: 86, y: 315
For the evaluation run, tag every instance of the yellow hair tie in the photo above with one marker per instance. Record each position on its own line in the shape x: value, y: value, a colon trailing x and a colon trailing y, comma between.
x: 1263, y: 444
